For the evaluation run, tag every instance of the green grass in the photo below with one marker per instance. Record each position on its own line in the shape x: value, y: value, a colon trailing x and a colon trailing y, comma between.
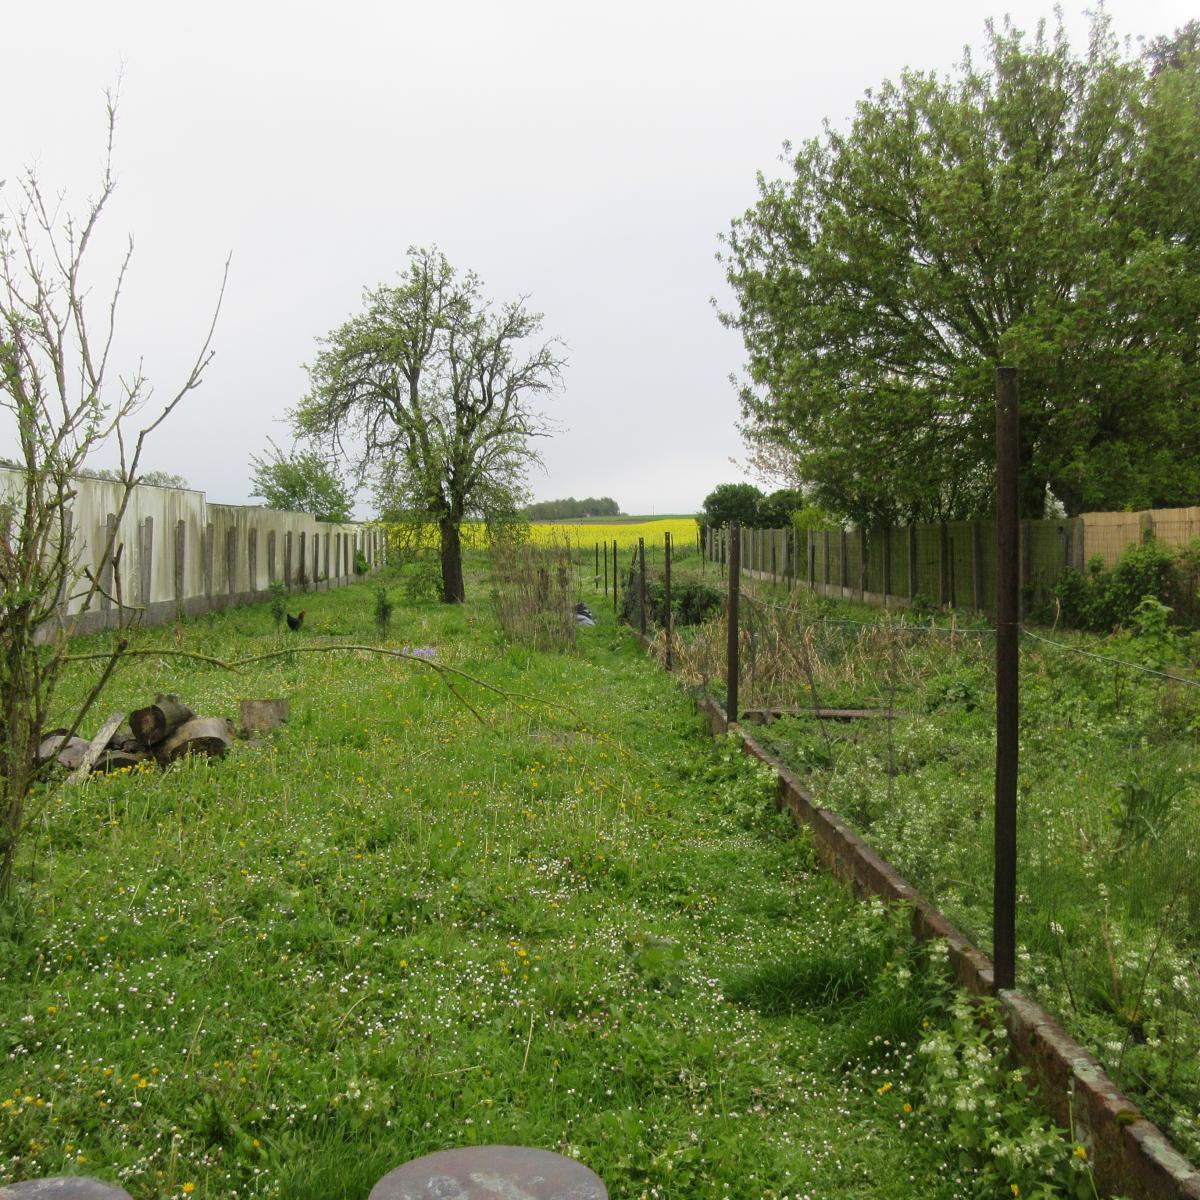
x: 390, y: 929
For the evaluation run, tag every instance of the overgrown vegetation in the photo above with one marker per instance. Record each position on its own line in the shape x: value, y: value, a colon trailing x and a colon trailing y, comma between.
x: 1109, y: 811
x: 534, y: 593
x: 394, y: 928
x: 1102, y: 600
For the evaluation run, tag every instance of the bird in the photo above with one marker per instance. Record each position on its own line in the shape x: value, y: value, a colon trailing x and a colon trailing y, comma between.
x: 295, y: 622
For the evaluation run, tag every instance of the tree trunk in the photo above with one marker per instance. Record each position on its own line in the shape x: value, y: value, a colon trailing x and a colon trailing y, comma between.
x: 453, y: 589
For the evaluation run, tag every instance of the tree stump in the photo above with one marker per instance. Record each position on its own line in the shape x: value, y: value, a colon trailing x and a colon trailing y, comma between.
x: 261, y: 716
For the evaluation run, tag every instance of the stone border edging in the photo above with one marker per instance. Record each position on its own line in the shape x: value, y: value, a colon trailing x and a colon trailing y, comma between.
x: 1129, y: 1154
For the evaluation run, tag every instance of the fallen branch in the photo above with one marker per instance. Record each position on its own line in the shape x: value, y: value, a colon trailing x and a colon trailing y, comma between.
x: 440, y: 668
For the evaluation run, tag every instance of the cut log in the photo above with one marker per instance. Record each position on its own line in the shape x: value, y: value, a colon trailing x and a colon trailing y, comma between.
x: 261, y: 716
x: 156, y: 721
x: 95, y: 748
x: 68, y: 752
x: 210, y: 736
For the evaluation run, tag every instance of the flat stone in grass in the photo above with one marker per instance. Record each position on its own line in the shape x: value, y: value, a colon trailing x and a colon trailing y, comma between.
x: 63, y: 1187
x: 490, y: 1173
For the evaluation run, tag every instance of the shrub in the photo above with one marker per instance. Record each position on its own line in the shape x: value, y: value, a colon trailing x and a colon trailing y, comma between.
x: 279, y: 593
x: 383, y: 609
x: 691, y: 603
x: 1102, y: 600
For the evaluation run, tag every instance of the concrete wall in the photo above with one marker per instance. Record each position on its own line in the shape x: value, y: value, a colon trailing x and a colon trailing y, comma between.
x: 179, y: 554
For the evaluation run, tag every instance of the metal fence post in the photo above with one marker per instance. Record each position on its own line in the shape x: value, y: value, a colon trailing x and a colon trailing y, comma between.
x: 667, y: 596
x: 731, y: 644
x: 1008, y: 568
x: 642, y: 585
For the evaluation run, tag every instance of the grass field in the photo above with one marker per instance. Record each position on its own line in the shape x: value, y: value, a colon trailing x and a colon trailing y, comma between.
x: 395, y: 927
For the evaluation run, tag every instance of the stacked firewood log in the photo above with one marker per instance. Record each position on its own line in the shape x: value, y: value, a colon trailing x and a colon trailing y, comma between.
x: 161, y: 733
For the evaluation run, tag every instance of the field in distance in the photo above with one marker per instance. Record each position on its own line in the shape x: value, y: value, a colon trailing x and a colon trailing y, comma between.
x: 623, y: 531
x: 623, y: 519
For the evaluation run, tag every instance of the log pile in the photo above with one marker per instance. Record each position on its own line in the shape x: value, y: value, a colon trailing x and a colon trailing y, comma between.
x: 162, y: 733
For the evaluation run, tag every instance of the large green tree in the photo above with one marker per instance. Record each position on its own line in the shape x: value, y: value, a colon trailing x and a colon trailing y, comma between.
x: 430, y: 391
x: 303, y: 481
x: 1040, y: 208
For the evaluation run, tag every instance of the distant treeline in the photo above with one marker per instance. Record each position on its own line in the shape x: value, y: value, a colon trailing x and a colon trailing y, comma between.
x: 550, y: 510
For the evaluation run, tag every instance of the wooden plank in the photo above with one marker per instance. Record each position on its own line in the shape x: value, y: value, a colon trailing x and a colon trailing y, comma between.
x: 96, y: 748
x: 760, y: 716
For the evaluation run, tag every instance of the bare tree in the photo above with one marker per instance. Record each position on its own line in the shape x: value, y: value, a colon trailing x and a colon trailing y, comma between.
x: 55, y: 386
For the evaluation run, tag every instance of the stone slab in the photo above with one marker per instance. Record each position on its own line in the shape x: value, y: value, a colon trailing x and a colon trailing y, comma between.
x: 63, y: 1187
x: 491, y: 1173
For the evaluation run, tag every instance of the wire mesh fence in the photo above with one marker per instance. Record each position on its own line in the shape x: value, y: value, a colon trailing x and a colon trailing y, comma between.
x: 891, y: 720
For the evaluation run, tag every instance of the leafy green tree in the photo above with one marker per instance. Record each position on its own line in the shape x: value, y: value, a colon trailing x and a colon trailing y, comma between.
x: 303, y: 481
x: 1037, y: 209
x: 731, y: 502
x: 434, y: 386
x: 591, y: 506
x: 155, y: 478
x: 775, y: 510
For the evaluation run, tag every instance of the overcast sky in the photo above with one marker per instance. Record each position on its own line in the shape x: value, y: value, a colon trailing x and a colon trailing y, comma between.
x: 585, y: 155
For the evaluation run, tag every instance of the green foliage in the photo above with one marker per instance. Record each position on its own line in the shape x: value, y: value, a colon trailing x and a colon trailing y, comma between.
x: 971, y: 1094
x: 778, y: 509
x: 1147, y: 803
x: 361, y: 563
x: 547, y: 510
x: 384, y: 606
x: 692, y: 601
x: 1035, y: 208
x: 1109, y: 908
x: 167, y: 479
x: 728, y: 503
x: 811, y: 518
x: 303, y: 481
x: 1101, y: 600
x: 279, y: 592
x: 421, y: 581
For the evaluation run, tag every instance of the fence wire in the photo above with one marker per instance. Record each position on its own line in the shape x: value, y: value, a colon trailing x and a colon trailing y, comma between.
x: 1108, y: 919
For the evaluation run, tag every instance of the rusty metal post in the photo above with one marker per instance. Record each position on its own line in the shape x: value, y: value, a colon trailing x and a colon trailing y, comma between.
x: 731, y: 644
x: 615, y: 573
x: 667, y: 596
x: 1008, y: 587
x: 887, y: 564
x: 642, y: 585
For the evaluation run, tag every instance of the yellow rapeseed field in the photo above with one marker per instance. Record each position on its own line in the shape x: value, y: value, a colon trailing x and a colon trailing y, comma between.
x: 625, y: 534
x: 584, y: 537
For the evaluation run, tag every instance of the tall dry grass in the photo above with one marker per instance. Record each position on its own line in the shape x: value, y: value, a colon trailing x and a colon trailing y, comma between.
x: 534, y: 592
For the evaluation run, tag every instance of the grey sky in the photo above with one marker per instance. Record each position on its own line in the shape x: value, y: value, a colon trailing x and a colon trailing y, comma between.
x: 587, y: 156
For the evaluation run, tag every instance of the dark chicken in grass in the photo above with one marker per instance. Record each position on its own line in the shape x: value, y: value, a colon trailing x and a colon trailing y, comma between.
x: 295, y: 622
